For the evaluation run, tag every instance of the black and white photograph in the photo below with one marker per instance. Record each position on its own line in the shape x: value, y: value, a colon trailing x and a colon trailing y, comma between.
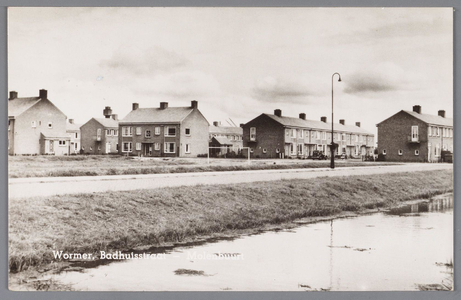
x: 230, y: 149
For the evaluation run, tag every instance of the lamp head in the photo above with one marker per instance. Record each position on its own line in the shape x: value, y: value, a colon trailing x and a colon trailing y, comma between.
x: 339, y: 78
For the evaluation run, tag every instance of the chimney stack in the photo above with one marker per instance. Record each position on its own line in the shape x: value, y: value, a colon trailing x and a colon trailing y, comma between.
x: 241, y: 125
x: 135, y: 106
x: 323, y: 119
x: 216, y: 123
x: 71, y: 121
x: 115, y: 117
x: 442, y: 113
x: 107, y: 112
x: 43, y: 94
x: 417, y: 109
x: 278, y: 112
x: 163, y: 105
x: 342, y: 121
x: 302, y: 116
x: 13, y: 95
x: 357, y: 124
x: 194, y: 104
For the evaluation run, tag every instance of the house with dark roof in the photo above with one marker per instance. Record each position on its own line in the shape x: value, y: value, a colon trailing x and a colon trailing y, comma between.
x: 73, y: 130
x: 164, y: 131
x: 277, y: 136
x: 36, y: 126
x: 100, y: 135
x: 225, y: 139
x: 415, y: 137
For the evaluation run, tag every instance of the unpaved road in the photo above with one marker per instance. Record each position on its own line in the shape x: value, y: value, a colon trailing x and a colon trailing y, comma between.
x: 47, y: 186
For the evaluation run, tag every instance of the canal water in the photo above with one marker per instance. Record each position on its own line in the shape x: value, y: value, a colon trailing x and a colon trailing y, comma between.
x: 394, y: 250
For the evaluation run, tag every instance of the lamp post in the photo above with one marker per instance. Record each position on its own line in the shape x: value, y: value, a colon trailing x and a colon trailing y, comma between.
x: 332, y: 147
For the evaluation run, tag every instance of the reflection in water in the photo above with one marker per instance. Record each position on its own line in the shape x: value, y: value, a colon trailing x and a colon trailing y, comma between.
x: 382, y: 251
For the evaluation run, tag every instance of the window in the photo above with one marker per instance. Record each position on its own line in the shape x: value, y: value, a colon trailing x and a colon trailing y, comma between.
x: 116, y: 132
x: 127, y: 147
x: 293, y: 133
x: 187, y: 148
x: 157, y: 146
x: 116, y: 147
x: 356, y: 137
x: 39, y: 123
x: 112, y: 132
x: 300, y: 149
x: 264, y: 150
x: 170, y: 147
x: 317, y: 135
x: 414, y: 134
x: 384, y: 151
x: 50, y: 124
x: 312, y: 135
x: 107, y: 132
x: 138, y: 130
x: 252, y: 133
x: 429, y: 131
x: 400, y: 152
x: 292, y: 149
x: 187, y: 131
x: 62, y: 143
x: 277, y: 150
x: 91, y: 148
x: 170, y: 131
x: 9, y: 125
x: 301, y: 133
x: 147, y: 134
x: 416, y: 152
x: 138, y: 146
x: 127, y: 131
x: 98, y: 134
x: 76, y: 135
x: 76, y: 146
x: 157, y: 130
x: 343, y: 137
x: 324, y: 135
x: 33, y: 124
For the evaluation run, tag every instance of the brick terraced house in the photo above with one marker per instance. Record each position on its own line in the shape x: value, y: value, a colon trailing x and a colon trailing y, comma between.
x: 36, y: 126
x: 100, y: 135
x: 277, y: 136
x: 415, y: 137
x: 164, y: 131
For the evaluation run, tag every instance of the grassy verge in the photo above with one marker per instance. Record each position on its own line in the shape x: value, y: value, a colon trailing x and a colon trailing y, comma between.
x: 85, y: 223
x: 93, y: 165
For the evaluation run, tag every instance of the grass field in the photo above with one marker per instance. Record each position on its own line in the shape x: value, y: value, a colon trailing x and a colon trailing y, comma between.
x: 89, y: 223
x: 95, y: 165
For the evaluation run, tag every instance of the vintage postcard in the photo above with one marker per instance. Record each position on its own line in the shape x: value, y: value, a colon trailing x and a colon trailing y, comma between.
x: 230, y: 149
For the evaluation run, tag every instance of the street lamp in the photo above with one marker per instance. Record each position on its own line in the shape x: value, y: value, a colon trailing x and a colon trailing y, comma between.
x: 332, y: 147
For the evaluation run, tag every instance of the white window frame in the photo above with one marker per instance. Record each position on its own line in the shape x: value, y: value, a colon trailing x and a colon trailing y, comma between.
x: 167, y: 131
x: 293, y: 133
x: 384, y: 151
x: 62, y: 143
x: 157, y: 130
x: 138, y: 146
x: 138, y: 130
x: 98, y: 134
x: 157, y: 146
x: 414, y: 133
x: 317, y: 135
x: 148, y: 136
x: 108, y: 132
x: 115, y: 132
x: 293, y: 149
x: 300, y: 146
x: 277, y: 150
x: 33, y: 124
x: 50, y: 125
x: 127, y: 131
x: 187, y: 148
x: 400, y: 152
x: 252, y: 133
x: 324, y: 135
x: 129, y: 148
x: 416, y: 152
x: 166, y: 148
x: 264, y: 150
x: 112, y: 132
x: 185, y: 131
x: 301, y: 133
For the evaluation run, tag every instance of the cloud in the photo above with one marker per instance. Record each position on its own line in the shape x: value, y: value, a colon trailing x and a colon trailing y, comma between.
x: 137, y: 61
x: 274, y: 89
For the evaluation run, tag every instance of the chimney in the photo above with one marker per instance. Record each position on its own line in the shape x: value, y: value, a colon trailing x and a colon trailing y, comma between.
x: 302, y: 116
x: 135, y: 106
x: 323, y: 119
x: 357, y: 124
x: 342, y: 121
x: 163, y: 105
x: 194, y: 104
x: 216, y: 123
x: 278, y: 112
x: 442, y: 113
x: 13, y: 95
x: 71, y: 121
x: 43, y: 94
x: 417, y: 109
x: 107, y: 112
x: 115, y: 117
x: 241, y: 125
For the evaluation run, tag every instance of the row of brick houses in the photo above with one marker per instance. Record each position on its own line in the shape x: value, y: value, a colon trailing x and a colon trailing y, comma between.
x: 277, y: 136
x: 37, y: 126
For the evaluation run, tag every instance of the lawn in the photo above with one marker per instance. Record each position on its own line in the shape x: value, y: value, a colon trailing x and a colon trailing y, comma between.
x: 95, y: 165
x: 89, y: 223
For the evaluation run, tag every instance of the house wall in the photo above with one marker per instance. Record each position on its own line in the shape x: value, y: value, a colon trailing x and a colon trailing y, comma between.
x: 269, y: 136
x: 198, y: 139
x: 393, y: 136
x: 74, y: 141
x: 27, y: 138
x: 89, y: 142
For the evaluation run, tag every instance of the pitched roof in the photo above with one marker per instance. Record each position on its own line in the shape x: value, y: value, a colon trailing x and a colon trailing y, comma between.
x: 298, y: 122
x: 431, y: 119
x: 72, y: 126
x: 55, y: 136
x: 157, y: 115
x: 226, y: 130
x: 19, y: 105
x: 222, y: 140
x: 107, y: 122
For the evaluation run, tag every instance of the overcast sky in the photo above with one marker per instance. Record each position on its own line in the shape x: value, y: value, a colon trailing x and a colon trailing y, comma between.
x: 237, y: 62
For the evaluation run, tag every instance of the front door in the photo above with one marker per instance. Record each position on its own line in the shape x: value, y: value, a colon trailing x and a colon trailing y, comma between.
x: 51, y: 146
x: 107, y: 147
x: 148, y: 149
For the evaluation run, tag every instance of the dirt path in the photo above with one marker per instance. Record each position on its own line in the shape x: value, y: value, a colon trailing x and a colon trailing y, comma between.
x: 29, y: 187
